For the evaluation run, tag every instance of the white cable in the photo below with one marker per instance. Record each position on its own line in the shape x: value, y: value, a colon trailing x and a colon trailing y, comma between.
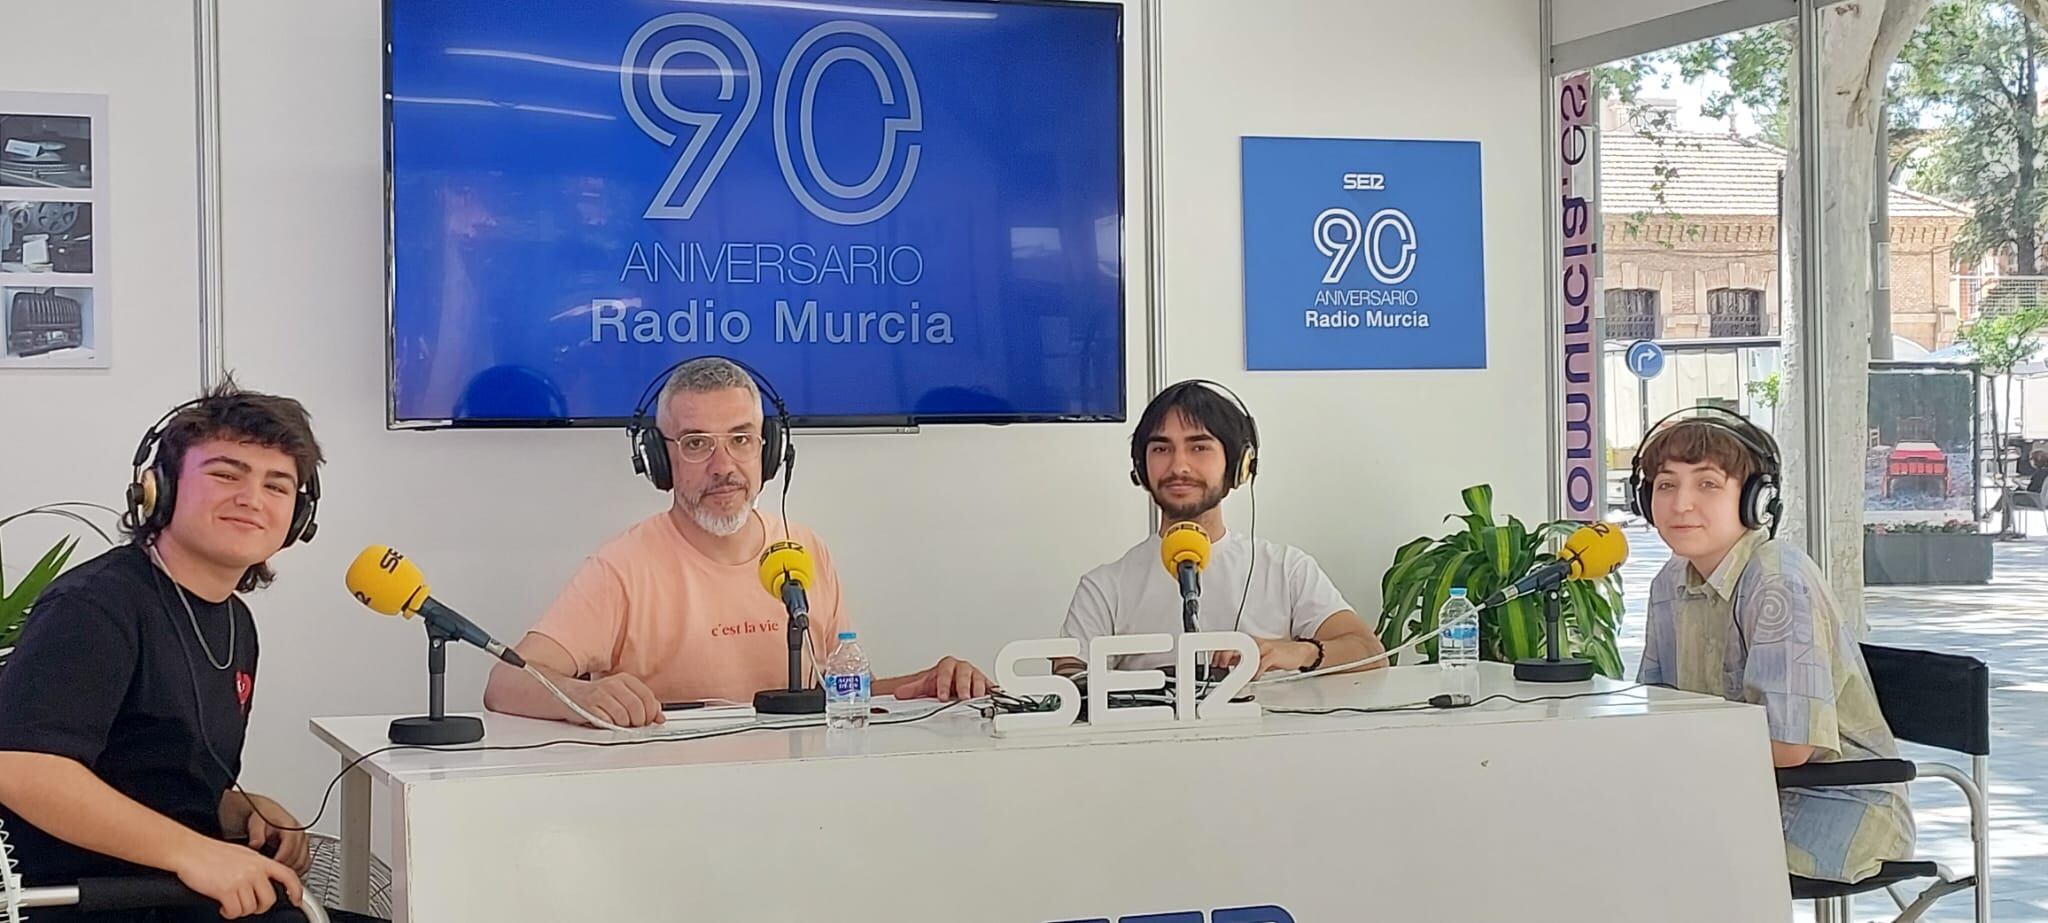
x: 10, y: 883
x: 570, y: 703
x: 1353, y: 665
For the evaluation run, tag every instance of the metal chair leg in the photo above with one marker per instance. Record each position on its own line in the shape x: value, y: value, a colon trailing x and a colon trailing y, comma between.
x: 1975, y: 788
x: 1980, y: 828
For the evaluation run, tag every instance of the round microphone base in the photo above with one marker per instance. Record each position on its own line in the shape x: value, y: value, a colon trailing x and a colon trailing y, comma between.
x: 1561, y: 670
x: 787, y: 702
x: 423, y: 731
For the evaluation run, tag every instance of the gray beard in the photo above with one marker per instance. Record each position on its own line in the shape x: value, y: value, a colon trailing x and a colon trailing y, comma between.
x: 715, y: 524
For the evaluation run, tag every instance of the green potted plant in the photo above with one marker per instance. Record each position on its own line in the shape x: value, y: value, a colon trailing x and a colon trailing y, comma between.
x: 1483, y: 556
x: 1925, y: 553
x: 16, y: 599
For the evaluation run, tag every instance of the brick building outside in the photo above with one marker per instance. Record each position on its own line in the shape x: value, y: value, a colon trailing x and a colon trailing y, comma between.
x: 1692, y: 246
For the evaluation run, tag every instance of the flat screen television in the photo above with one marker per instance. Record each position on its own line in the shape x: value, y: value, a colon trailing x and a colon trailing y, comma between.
x: 898, y: 211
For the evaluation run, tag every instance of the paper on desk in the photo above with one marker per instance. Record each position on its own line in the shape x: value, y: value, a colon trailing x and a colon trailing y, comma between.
x: 896, y: 709
x: 713, y: 712
x: 886, y: 709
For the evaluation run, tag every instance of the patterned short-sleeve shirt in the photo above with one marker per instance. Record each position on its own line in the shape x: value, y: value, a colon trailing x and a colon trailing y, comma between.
x: 1764, y: 629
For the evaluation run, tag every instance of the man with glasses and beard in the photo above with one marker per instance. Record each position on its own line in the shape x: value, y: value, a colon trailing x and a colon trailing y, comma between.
x: 1191, y: 447
x: 672, y: 610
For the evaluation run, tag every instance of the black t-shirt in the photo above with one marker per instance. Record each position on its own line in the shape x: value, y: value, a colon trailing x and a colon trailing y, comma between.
x: 105, y: 674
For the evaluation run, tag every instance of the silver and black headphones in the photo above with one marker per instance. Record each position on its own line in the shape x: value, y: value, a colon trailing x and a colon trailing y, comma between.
x: 153, y: 486
x: 1760, y: 505
x: 1241, y: 460
x: 650, y: 444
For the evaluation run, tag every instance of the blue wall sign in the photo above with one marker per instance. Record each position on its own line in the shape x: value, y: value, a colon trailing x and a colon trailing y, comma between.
x: 1363, y: 254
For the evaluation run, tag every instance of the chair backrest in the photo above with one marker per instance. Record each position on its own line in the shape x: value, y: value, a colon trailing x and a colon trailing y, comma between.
x: 1940, y: 700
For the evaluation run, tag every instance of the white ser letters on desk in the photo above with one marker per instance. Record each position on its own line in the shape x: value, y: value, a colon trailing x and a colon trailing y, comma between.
x: 1214, y: 707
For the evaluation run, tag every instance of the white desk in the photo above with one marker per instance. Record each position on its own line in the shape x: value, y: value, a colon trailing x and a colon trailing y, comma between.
x: 1647, y: 804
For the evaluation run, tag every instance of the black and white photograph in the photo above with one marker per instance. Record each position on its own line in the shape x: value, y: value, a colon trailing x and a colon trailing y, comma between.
x: 49, y: 327
x: 45, y: 151
x: 38, y: 237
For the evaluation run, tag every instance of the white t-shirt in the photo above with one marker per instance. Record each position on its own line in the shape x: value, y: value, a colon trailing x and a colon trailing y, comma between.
x: 1290, y: 596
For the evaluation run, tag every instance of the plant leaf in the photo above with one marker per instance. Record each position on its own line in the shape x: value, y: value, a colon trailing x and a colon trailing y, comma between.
x: 14, y: 607
x: 1500, y: 549
x: 1402, y: 556
x: 1479, y: 499
x: 1406, y: 579
x: 1606, y: 658
x: 1588, y: 608
x: 1521, y: 623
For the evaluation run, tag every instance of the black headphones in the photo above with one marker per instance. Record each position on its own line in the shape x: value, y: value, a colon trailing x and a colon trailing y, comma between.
x: 1241, y: 459
x: 153, y: 486
x: 650, y: 445
x: 1759, y: 505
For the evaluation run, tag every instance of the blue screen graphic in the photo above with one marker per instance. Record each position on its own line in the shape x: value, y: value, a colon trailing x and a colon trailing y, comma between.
x: 894, y: 210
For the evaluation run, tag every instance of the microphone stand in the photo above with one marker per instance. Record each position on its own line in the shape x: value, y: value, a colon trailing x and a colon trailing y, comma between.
x: 437, y: 728
x: 1190, y: 607
x: 1553, y: 668
x: 795, y: 700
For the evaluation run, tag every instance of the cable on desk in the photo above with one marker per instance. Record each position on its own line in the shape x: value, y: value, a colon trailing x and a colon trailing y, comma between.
x: 328, y: 794
x: 1446, y: 703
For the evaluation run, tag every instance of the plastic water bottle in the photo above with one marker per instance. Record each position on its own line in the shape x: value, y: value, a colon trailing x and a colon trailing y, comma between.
x: 1457, y: 649
x: 848, y: 685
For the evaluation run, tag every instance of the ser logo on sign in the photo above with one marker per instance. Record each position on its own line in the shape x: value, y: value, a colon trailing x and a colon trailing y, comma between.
x: 1216, y: 706
x: 1365, y: 182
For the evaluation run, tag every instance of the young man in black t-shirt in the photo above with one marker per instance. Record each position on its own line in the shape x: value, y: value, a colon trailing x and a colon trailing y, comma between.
x: 123, y: 708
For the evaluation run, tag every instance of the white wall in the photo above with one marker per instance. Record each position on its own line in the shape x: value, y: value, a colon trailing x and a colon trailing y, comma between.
x: 1575, y: 19
x: 68, y: 434
x: 1355, y: 463
x: 500, y: 519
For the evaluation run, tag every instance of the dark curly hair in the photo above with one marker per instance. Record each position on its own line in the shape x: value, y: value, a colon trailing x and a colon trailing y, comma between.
x: 230, y: 413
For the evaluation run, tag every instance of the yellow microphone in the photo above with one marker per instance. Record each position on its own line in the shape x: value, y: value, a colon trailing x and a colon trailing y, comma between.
x: 1184, y: 549
x: 784, y: 563
x: 1590, y: 553
x: 1595, y: 550
x: 1184, y: 543
x: 388, y: 582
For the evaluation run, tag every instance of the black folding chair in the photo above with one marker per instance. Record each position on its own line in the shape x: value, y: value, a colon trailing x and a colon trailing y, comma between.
x: 1938, y: 700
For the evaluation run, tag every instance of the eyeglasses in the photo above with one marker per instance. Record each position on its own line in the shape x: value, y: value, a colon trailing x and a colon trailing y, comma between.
x: 696, y: 447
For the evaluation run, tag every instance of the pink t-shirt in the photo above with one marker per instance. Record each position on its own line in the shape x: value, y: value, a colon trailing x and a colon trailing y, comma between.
x: 651, y: 605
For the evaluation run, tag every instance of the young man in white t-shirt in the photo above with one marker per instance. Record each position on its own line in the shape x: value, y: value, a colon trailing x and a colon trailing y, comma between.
x: 1192, y: 446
